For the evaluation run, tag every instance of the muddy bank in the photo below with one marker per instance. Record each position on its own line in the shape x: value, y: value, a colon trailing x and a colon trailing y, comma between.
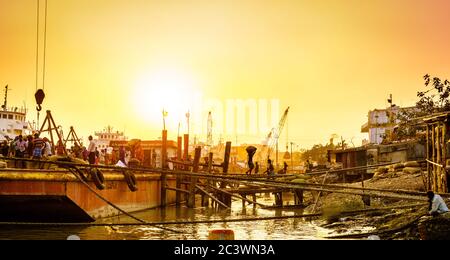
x: 398, y: 223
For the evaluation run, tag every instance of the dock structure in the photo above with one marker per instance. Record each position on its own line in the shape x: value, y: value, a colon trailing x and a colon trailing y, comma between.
x: 436, y: 151
x: 178, y: 180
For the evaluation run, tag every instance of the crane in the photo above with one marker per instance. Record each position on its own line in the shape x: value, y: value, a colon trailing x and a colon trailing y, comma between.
x: 274, y: 134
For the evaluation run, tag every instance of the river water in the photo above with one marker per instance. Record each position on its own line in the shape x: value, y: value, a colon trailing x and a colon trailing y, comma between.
x: 279, y: 229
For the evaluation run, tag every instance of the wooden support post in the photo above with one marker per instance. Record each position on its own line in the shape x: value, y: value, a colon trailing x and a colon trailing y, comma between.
x: 243, y: 201
x: 186, y: 156
x: 192, y: 185
x: 254, y: 200
x: 210, y: 161
x: 212, y: 197
x: 240, y: 196
x: 433, y: 158
x: 298, y: 197
x: 179, y: 151
x: 186, y: 151
x: 163, y: 189
x: 164, y: 150
x: 428, y: 158
x: 163, y: 166
x: 226, y: 160
x: 178, y: 181
x: 438, y: 158
x: 278, y: 198
x: 444, y: 156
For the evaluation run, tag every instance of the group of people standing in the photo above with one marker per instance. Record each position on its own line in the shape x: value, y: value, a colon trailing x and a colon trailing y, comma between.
x: 31, y: 146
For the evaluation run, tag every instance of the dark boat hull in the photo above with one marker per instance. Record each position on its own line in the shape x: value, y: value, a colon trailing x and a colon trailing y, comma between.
x: 57, y: 196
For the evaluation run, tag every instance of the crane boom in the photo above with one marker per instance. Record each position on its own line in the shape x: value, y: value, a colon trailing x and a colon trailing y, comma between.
x: 275, y: 133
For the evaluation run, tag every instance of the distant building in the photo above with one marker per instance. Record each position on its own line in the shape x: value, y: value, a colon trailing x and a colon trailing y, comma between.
x: 103, y: 138
x: 151, y: 149
x: 381, y: 123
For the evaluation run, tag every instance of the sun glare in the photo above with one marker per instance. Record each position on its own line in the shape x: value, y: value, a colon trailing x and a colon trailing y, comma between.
x: 170, y: 90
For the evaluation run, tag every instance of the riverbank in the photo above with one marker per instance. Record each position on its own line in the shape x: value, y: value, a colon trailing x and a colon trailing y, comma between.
x: 399, y: 222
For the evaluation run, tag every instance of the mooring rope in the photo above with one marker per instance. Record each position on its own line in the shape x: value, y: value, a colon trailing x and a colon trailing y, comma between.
x: 248, y: 180
x: 114, y: 206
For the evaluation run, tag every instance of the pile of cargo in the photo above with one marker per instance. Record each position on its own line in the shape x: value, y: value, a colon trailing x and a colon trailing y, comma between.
x: 389, y: 171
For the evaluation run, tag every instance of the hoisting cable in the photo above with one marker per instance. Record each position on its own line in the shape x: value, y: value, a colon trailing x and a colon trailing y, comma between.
x: 39, y: 95
x: 37, y: 44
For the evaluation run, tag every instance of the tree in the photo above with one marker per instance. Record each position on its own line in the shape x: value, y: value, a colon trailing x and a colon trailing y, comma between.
x: 435, y: 99
x: 318, y: 153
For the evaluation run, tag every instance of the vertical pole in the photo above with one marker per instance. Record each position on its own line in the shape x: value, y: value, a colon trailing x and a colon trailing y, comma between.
x: 186, y: 150
x: 299, y: 197
x: 195, y: 167
x: 164, y: 149
x: 210, y: 159
x: 163, y: 166
x: 428, y: 158
x: 444, y: 155
x: 226, y: 162
x: 178, y: 181
x: 438, y: 157
x: 179, y: 148
x: 210, y: 162
x: 433, y: 154
x: 185, y: 158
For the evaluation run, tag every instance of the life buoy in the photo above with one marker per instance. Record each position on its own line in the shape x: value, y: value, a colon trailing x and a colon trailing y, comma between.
x: 131, y: 180
x: 98, y: 178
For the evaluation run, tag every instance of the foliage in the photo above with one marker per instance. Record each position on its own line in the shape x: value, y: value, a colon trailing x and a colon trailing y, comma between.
x: 318, y: 153
x: 435, y: 99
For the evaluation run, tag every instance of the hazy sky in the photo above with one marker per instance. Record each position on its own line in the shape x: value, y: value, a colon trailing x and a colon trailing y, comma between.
x: 114, y: 62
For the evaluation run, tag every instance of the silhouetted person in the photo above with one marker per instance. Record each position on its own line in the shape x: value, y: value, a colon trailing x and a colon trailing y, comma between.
x: 308, y: 166
x: 5, y: 148
x: 270, y: 169
x: 256, y: 167
x: 122, y: 154
x: 436, y: 205
x: 251, y: 150
x: 91, y: 149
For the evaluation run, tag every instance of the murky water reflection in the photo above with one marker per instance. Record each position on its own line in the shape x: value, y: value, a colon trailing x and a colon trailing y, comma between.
x: 289, y: 229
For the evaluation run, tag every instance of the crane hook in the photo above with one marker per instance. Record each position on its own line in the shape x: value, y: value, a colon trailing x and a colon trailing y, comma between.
x: 39, y: 96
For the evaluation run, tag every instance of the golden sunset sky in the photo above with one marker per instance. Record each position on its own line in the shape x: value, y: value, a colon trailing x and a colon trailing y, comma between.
x: 111, y: 62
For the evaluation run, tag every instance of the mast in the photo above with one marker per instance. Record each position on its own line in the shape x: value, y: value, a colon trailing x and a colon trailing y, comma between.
x: 6, y: 97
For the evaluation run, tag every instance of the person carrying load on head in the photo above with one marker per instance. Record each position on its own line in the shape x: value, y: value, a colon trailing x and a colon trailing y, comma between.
x: 251, y: 150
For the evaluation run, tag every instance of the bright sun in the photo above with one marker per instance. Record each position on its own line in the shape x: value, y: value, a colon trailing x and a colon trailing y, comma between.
x: 170, y: 90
